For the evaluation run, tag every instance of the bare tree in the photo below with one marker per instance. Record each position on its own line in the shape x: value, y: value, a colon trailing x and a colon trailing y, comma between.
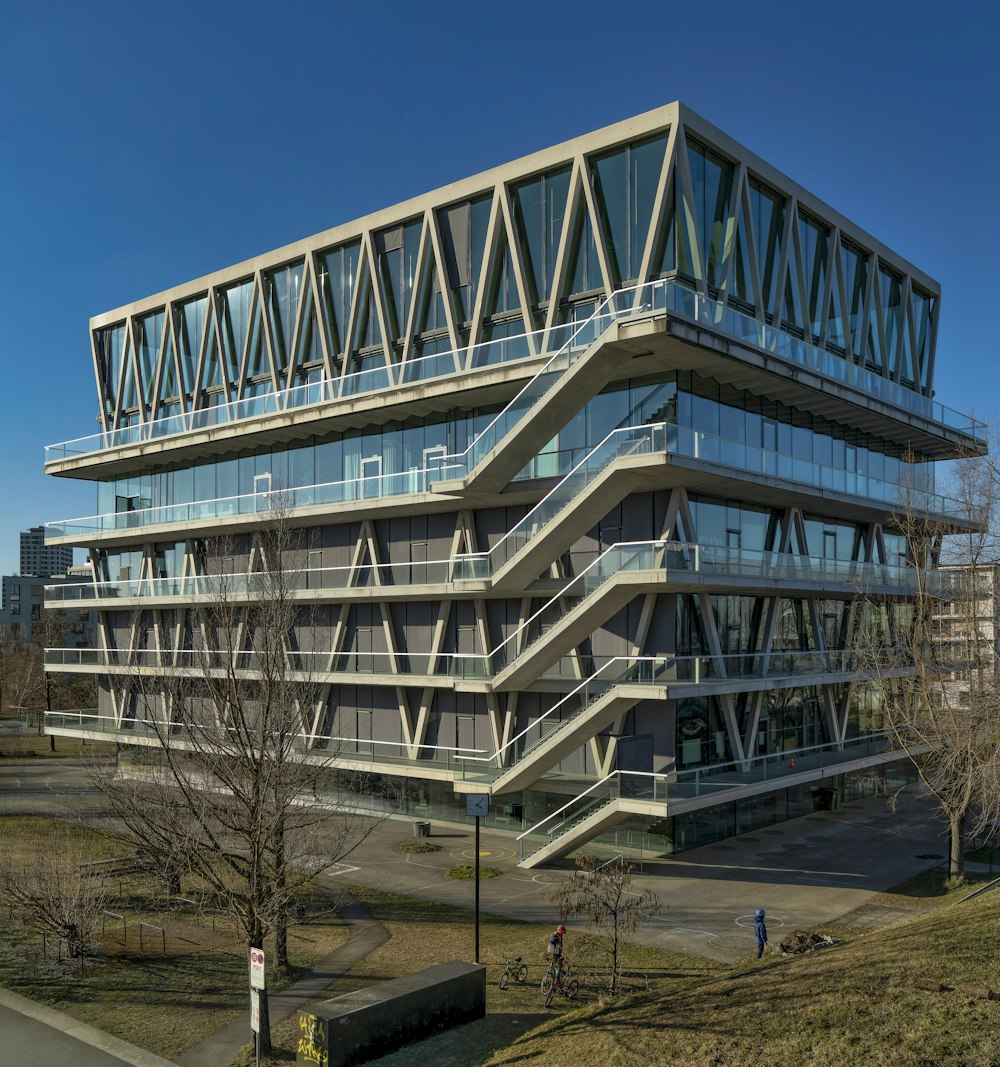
x: 55, y: 890
x: 21, y: 672
x: 601, y: 891
x: 930, y: 660
x: 25, y: 685
x: 230, y: 797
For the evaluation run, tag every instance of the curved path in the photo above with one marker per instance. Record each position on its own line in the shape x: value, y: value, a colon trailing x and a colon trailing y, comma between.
x: 364, y: 935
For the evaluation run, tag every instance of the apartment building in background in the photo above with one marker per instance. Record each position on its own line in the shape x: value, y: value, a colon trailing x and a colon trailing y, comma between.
x: 966, y: 627
x: 594, y: 453
x: 41, y: 559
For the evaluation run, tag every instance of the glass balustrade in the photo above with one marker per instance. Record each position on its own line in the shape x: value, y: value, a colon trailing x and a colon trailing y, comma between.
x: 716, y: 315
x: 226, y: 586
x: 672, y: 561
x: 626, y: 442
x: 564, y: 820
x: 666, y: 670
x: 470, y: 667
x: 619, y: 445
x: 333, y: 747
x: 711, y: 781
x: 667, y: 560
x: 354, y: 490
x: 567, y: 341
x: 570, y: 336
x: 668, y: 438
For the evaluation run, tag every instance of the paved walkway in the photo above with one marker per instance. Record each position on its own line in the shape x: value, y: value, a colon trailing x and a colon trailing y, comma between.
x: 37, y: 1036
x: 364, y: 935
x: 808, y: 872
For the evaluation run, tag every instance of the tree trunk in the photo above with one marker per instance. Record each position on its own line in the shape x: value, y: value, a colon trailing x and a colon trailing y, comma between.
x: 281, y: 918
x: 956, y: 845
x: 281, y: 938
x: 174, y: 883
x: 264, y: 1034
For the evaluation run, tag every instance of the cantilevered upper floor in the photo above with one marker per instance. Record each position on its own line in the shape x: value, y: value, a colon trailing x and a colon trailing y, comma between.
x: 471, y: 288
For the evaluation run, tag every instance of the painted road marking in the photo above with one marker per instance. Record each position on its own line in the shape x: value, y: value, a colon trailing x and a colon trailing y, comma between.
x: 767, y: 870
x: 488, y: 853
x: 747, y: 920
x: 338, y: 869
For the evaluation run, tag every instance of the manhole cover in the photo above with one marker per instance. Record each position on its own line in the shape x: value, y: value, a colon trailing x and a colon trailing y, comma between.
x: 929, y: 856
x: 773, y: 833
x: 723, y: 848
x: 752, y: 840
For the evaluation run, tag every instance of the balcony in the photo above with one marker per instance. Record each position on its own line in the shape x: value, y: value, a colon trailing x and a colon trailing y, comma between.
x: 661, y: 440
x: 671, y: 676
x: 663, y: 296
x: 684, y: 303
x: 674, y: 565
x: 622, y: 793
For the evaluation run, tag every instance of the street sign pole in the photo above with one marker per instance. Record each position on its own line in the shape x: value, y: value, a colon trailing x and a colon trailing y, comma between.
x: 258, y: 988
x: 255, y: 1021
x: 476, y: 806
x: 477, y: 889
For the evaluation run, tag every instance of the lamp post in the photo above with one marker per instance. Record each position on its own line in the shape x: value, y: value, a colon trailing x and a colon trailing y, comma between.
x: 477, y: 805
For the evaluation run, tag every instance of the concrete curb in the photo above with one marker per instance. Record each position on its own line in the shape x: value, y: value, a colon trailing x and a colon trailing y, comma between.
x: 83, y: 1032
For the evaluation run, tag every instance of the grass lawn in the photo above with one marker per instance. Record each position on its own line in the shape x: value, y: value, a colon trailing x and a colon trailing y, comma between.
x: 930, y: 889
x: 855, y: 1003
x: 164, y: 1003
x: 425, y: 933
x: 852, y: 1004
x: 27, y: 745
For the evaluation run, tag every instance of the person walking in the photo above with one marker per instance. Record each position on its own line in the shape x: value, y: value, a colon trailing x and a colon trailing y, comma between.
x: 760, y: 931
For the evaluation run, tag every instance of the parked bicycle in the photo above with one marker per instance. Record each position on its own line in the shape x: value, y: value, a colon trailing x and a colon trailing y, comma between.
x: 516, y: 969
x: 556, y: 980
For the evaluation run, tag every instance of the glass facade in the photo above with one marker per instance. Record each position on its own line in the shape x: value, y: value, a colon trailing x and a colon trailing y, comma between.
x: 721, y: 414
x: 473, y: 270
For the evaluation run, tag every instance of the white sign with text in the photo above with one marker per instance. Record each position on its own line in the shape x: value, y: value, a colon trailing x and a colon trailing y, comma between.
x: 257, y: 969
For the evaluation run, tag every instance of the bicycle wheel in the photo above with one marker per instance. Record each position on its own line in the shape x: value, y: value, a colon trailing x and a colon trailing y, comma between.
x: 550, y: 994
x: 548, y: 984
x: 503, y: 979
x: 571, y: 988
x: 521, y: 974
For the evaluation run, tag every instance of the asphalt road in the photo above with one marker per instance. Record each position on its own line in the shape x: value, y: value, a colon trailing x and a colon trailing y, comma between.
x: 34, y: 1035
x: 54, y: 787
x: 30, y: 1043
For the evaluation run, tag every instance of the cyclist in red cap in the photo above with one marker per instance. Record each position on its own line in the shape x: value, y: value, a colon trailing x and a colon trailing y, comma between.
x: 555, y: 946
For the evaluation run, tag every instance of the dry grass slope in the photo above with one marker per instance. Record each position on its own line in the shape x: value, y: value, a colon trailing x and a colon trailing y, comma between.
x: 853, y: 1004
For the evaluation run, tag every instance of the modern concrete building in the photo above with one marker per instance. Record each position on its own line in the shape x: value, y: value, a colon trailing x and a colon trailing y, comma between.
x: 41, y: 559
x: 594, y: 452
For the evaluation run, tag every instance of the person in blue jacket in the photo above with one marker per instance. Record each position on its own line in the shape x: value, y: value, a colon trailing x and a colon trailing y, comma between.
x: 760, y: 931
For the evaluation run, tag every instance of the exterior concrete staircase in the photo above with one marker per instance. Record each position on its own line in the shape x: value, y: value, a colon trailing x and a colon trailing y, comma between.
x: 593, y: 353
x: 584, y: 818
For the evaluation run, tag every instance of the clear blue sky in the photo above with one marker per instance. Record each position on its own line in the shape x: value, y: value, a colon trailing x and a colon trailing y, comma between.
x: 142, y: 145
